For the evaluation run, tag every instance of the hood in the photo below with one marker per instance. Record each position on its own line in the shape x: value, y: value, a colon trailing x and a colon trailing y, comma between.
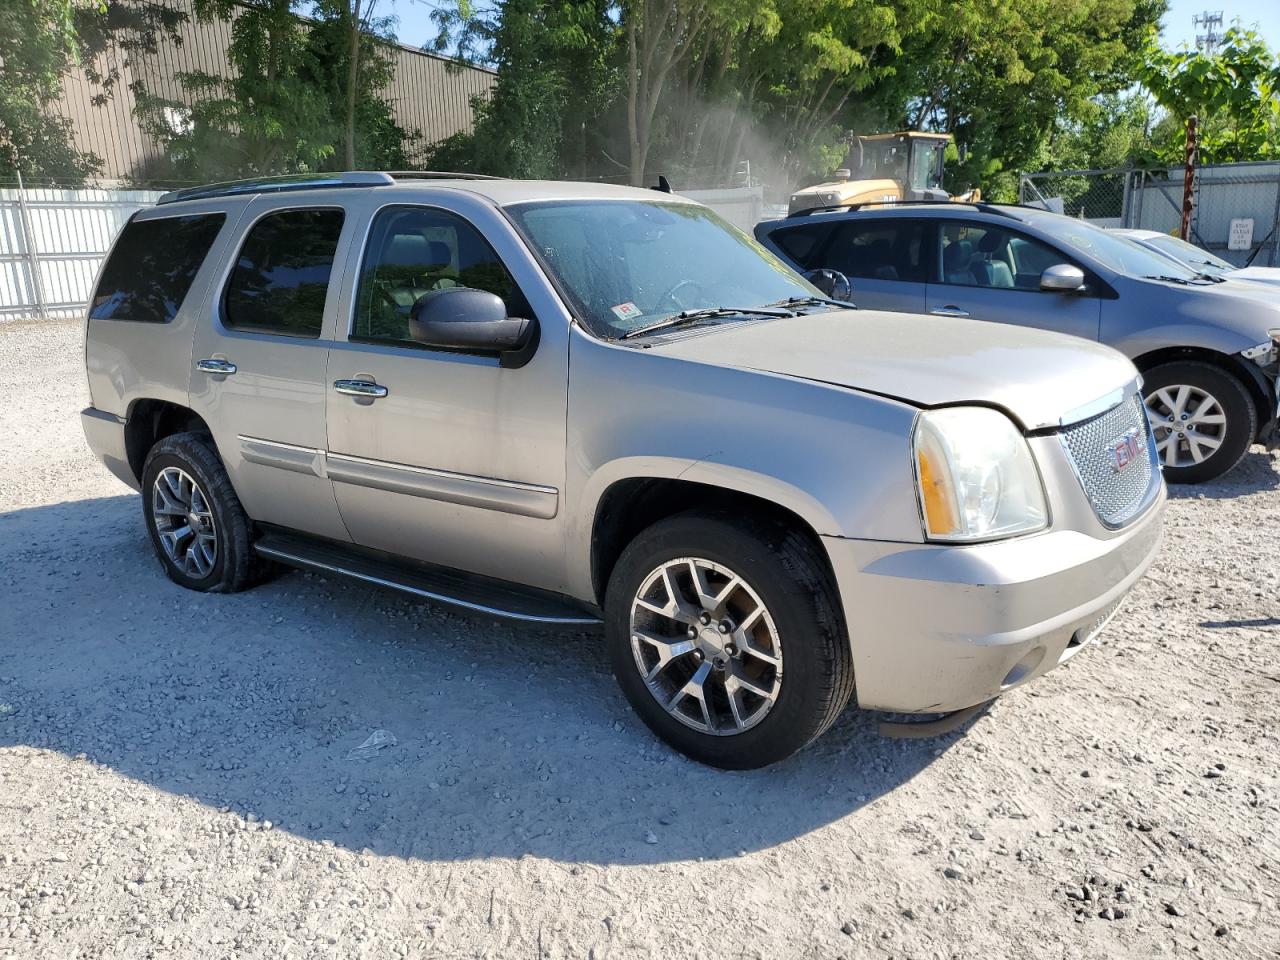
x: 1257, y: 274
x: 1037, y: 377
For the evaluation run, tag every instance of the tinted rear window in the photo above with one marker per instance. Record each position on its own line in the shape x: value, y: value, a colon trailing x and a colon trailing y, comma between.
x: 151, y: 268
x: 282, y: 274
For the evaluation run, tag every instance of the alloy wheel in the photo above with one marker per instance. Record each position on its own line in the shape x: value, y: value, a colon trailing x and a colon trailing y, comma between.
x: 706, y: 646
x: 1189, y: 424
x: 184, y: 522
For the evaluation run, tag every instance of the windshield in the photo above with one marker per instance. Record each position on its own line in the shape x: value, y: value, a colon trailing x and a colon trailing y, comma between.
x: 626, y: 264
x: 877, y: 160
x: 926, y: 165
x: 1116, y: 252
x: 1191, y: 255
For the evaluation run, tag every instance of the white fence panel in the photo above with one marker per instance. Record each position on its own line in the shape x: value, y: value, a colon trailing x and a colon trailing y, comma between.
x: 52, y: 242
x: 741, y: 206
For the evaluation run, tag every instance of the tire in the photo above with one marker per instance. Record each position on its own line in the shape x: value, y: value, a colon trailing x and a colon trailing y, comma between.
x: 1176, y: 393
x: 778, y: 567
x: 233, y: 565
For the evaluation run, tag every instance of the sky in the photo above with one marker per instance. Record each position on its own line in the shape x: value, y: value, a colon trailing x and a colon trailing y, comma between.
x: 416, y: 28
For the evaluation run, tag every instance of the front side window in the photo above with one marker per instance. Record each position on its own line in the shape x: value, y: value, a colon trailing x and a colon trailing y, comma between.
x: 987, y: 255
x: 625, y: 264
x: 414, y: 251
x: 152, y: 266
x: 281, y: 277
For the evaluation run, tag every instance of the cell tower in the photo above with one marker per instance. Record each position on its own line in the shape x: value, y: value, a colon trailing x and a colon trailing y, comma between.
x: 1211, y: 22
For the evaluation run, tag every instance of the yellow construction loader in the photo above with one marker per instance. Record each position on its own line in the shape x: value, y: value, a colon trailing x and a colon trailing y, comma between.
x: 884, y: 168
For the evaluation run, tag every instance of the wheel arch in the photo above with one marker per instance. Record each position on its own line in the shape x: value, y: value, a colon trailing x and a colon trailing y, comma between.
x: 629, y: 505
x: 149, y: 421
x: 1249, y: 374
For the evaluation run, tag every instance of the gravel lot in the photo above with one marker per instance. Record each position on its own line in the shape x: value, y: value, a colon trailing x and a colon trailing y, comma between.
x: 175, y: 780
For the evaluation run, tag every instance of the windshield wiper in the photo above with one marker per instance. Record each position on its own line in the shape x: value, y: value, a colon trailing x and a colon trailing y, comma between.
x: 810, y: 301
x: 707, y: 313
x: 1155, y: 276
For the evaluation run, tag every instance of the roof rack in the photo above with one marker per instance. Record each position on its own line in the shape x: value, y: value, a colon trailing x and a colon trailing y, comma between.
x: 302, y: 181
x: 312, y: 181
x: 976, y: 204
x: 440, y: 175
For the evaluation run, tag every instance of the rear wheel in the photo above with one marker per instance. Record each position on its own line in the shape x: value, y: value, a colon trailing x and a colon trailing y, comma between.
x: 724, y: 636
x: 1203, y: 419
x: 200, y: 532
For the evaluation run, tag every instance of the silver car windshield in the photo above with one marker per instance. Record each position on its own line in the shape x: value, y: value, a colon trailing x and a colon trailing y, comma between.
x: 1119, y: 253
x: 1192, y: 255
x: 626, y: 264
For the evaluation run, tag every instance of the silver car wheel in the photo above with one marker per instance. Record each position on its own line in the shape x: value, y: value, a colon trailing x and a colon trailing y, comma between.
x: 1189, y: 423
x: 706, y: 646
x: 184, y: 522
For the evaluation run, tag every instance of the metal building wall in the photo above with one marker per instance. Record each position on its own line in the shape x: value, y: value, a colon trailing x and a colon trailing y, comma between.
x: 429, y: 96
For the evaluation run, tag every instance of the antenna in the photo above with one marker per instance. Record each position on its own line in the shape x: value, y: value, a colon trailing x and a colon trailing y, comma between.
x: 1207, y: 42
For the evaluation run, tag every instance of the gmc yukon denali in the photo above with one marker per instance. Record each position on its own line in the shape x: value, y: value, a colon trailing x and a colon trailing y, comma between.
x: 579, y: 404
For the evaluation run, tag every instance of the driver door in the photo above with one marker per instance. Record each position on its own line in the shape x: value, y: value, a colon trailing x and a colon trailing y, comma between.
x: 446, y: 456
x: 987, y: 271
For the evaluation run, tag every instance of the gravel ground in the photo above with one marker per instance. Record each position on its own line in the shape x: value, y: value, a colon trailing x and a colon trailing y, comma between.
x: 176, y: 780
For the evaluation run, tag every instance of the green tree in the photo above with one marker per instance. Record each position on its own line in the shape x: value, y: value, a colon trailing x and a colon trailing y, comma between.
x: 351, y: 86
x: 264, y: 118
x: 37, y: 44
x: 1001, y: 76
x: 1235, y: 93
x: 556, y: 76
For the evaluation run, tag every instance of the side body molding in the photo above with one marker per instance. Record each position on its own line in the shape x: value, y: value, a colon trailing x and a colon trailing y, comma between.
x: 489, y: 493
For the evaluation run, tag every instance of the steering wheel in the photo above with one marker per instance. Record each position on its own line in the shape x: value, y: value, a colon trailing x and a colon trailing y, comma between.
x: 677, y: 301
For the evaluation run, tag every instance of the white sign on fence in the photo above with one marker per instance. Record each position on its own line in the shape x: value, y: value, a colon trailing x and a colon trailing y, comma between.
x: 1241, y: 235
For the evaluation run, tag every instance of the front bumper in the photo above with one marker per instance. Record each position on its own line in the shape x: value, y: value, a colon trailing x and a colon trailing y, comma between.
x: 104, y: 432
x: 936, y: 628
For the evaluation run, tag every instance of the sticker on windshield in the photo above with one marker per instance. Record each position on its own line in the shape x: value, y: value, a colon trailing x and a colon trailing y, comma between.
x: 626, y: 311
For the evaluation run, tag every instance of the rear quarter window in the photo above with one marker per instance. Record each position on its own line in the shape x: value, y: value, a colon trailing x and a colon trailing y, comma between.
x: 151, y: 268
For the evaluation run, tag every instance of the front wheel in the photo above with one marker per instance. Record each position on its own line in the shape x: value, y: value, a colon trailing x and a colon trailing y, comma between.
x: 1203, y: 419
x: 725, y: 637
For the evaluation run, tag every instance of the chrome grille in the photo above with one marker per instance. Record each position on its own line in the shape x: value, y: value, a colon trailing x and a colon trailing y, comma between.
x: 1116, y: 495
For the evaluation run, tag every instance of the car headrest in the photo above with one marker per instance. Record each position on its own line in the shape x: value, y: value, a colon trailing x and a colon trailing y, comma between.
x: 991, y: 241
x: 438, y: 254
x: 956, y: 255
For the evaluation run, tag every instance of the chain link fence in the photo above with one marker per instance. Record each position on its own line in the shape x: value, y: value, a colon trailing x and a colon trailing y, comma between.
x: 1235, y: 212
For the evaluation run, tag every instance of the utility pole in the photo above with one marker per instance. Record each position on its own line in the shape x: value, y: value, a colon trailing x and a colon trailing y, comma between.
x: 1211, y: 21
x: 1188, y: 180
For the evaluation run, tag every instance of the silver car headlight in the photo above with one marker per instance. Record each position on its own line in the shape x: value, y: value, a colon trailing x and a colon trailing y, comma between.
x: 975, y: 476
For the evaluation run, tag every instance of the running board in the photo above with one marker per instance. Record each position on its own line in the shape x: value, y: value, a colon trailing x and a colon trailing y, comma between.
x: 457, y: 589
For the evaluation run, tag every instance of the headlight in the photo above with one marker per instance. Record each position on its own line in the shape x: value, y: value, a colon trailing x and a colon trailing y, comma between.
x: 975, y: 475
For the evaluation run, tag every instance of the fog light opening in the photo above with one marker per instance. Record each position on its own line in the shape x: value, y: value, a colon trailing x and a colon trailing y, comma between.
x: 1023, y: 669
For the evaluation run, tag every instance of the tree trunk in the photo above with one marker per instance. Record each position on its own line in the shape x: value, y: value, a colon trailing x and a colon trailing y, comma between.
x: 353, y: 75
x: 633, y: 94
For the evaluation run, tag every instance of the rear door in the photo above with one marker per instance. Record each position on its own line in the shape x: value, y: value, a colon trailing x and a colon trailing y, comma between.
x: 259, y: 359
x: 990, y: 271
x: 883, y: 259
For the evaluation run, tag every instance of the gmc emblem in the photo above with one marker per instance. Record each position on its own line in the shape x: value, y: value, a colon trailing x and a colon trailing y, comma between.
x: 1125, y: 450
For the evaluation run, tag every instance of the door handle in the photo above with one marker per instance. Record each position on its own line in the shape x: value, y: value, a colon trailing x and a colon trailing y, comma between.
x: 213, y: 365
x: 363, y: 389
x: 949, y: 311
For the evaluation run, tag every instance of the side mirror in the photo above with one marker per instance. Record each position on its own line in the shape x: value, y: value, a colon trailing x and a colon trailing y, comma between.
x: 1062, y: 278
x: 832, y: 283
x: 463, y: 318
